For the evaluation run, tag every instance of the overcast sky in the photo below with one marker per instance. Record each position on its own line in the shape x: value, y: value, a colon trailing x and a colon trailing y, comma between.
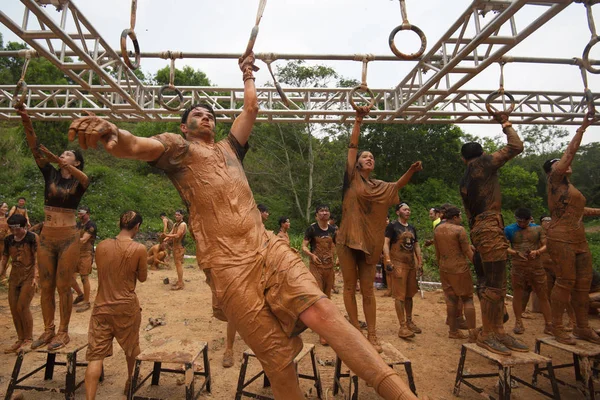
x: 332, y: 27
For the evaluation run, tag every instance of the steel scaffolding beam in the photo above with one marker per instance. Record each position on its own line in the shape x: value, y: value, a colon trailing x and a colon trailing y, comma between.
x: 433, y: 92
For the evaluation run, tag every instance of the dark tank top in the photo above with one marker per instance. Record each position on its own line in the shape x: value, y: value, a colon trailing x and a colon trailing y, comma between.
x: 61, y: 192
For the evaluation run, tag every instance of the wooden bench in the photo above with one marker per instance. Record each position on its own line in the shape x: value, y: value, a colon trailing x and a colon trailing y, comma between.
x: 241, y: 390
x: 77, y: 343
x: 504, y: 374
x: 172, y: 351
x: 585, y: 355
x: 391, y: 355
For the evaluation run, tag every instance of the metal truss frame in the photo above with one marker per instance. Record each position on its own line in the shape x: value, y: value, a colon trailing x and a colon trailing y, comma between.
x: 433, y: 92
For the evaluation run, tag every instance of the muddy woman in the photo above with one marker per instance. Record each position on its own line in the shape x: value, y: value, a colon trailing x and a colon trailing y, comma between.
x: 365, y: 204
x: 58, y: 252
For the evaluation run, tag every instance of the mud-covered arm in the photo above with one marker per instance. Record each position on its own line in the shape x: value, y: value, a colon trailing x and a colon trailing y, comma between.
x: 12, y: 211
x: 418, y: 255
x: 561, y: 166
x: 31, y: 137
x: 142, y: 270
x: 3, y: 264
x: 242, y: 126
x: 36, y: 271
x: 76, y: 173
x: 179, y: 233
x: 514, y: 145
x: 589, y: 212
x: 361, y: 112
x: 403, y: 181
x: 386, y: 251
x: 465, y: 246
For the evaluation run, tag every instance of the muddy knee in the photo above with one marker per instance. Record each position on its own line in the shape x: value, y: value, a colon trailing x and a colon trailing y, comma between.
x: 493, y: 295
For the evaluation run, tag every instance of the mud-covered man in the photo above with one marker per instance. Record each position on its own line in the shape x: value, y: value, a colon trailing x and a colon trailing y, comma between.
x: 528, y: 242
x: 319, y: 246
x: 177, y: 237
x: 157, y: 255
x: 121, y: 262
x: 453, y: 251
x: 20, y: 247
x: 87, y: 237
x: 257, y: 281
x: 482, y: 200
x: 403, y: 262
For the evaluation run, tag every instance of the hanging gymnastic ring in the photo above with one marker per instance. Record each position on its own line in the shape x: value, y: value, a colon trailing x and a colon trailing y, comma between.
x: 164, y: 104
x: 363, y: 89
x: 408, y: 27
x: 585, y: 58
x: 21, y: 89
x: 136, y: 47
x: 493, y: 96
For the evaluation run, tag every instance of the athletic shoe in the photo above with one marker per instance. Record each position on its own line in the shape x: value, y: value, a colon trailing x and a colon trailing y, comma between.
x: 457, y: 335
x: 372, y: 338
x: 548, y: 329
x: 83, y: 307
x: 512, y: 343
x: 586, y: 334
x: 519, y: 329
x: 228, y: 359
x: 59, y: 341
x: 492, y: 344
x: 405, y: 333
x: 561, y: 336
x: 43, y: 340
x: 411, y: 325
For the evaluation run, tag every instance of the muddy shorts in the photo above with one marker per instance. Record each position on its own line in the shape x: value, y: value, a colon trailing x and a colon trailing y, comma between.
x: 85, y: 263
x: 460, y: 284
x: 264, y: 298
x: 104, y: 327
x: 178, y: 253
x: 487, y: 235
x: 404, y: 282
x: 325, y: 278
x: 525, y: 275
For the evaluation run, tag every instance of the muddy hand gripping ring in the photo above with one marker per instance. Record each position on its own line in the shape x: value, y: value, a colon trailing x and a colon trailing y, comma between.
x: 407, y: 26
x: 19, y: 94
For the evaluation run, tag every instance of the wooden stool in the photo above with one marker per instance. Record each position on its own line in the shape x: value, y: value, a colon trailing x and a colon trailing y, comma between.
x: 171, y: 351
x: 77, y: 343
x: 243, y: 383
x: 391, y: 355
x: 505, y: 364
x: 586, y: 356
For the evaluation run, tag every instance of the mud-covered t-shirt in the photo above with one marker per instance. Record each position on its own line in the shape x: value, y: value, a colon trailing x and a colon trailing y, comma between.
x: 210, y: 178
x: 90, y: 228
x: 364, y: 209
x: 452, y: 248
x: 22, y: 255
x: 479, y: 186
x: 322, y: 243
x: 20, y: 210
x: 119, y: 263
x: 61, y: 192
x: 566, y: 205
x: 525, y: 240
x: 402, y: 244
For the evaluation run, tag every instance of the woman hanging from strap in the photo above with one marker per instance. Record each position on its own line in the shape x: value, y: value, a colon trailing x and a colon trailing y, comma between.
x: 360, y: 238
x: 58, y: 253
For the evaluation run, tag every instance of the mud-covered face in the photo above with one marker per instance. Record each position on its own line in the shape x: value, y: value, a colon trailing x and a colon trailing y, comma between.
x: 546, y: 222
x: 404, y: 212
x: 433, y: 215
x: 21, y: 202
x: 286, y: 224
x: 264, y: 215
x: 3, y: 209
x: 366, y: 161
x: 323, y: 214
x: 178, y: 217
x: 69, y: 157
x: 200, y: 124
x: 17, y: 230
x: 523, y: 223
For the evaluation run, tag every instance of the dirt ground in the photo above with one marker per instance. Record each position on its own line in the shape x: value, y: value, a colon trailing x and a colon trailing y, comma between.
x: 188, y: 314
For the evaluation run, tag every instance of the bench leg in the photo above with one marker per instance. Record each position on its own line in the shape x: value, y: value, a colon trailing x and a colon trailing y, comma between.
x: 411, y: 379
x: 318, y: 385
x: 536, y: 369
x: 134, y: 380
x: 504, y: 382
x: 354, y: 381
x: 50, y: 360
x: 189, y: 381
x: 207, y: 368
x: 242, y: 378
x: 71, y: 376
x: 336, y: 375
x: 156, y: 372
x: 266, y: 381
x: 15, y: 376
x: 553, y: 382
x: 459, y: 370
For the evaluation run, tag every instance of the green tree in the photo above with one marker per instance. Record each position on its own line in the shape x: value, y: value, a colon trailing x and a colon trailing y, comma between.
x: 183, y: 77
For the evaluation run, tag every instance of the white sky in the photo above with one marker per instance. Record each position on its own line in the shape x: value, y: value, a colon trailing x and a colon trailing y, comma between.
x: 335, y: 27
